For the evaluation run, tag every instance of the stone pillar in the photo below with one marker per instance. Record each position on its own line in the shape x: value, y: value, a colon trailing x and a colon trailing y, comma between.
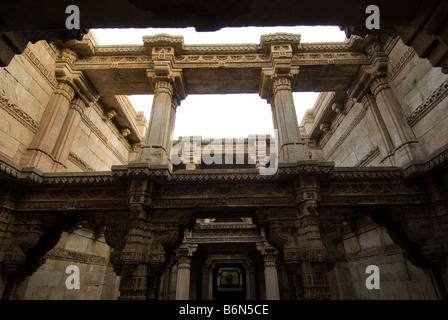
x: 134, y: 283
x: 183, y: 274
x: 406, y: 145
x: 67, y: 135
x: 210, y: 281
x: 296, y: 232
x: 157, y: 146
x: 249, y: 291
x: 205, y: 279
x: 58, y: 124
x: 39, y: 153
x: 173, y: 282
x: 168, y: 93
x: 291, y: 147
x: 276, y: 87
x: 270, y: 271
x: 141, y: 242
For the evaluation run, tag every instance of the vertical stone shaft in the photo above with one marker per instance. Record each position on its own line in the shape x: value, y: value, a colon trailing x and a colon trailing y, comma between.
x: 374, y: 116
x: 291, y: 147
x: 157, y: 147
x: 406, y: 146
x: 271, y: 277
x: 183, y: 279
x: 39, y: 151
x: 66, y: 137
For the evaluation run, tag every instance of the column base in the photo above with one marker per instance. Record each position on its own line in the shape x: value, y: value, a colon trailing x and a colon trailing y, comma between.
x: 38, y: 159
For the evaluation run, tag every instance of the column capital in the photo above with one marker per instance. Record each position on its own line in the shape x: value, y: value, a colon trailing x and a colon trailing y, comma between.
x: 378, y: 69
x: 272, y: 82
x: 65, y: 90
x: 164, y: 71
x: 278, y: 77
x: 78, y: 104
x: 163, y: 86
x: 378, y: 84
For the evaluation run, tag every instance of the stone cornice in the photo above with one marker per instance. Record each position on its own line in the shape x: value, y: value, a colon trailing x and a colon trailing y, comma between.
x: 180, y: 48
x: 162, y: 173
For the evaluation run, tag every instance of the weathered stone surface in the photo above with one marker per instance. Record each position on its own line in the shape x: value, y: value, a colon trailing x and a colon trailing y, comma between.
x: 98, y: 189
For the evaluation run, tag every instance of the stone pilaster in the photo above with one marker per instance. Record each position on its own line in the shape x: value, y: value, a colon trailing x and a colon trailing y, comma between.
x: 376, y: 119
x: 67, y: 135
x: 57, y: 125
x: 372, y: 87
x: 406, y: 145
x: 295, y: 233
x: 39, y: 152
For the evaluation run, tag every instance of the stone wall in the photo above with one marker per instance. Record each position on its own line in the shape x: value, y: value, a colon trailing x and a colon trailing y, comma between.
x: 422, y: 91
x: 26, y: 86
x: 353, y: 137
x: 91, y: 255
x: 399, y: 279
x: 98, y: 144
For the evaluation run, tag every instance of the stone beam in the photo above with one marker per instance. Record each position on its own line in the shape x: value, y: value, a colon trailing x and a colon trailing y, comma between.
x: 208, y: 69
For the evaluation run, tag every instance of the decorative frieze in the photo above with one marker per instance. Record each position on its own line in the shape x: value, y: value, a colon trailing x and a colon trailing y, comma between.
x: 347, y: 132
x: 19, y: 114
x: 76, y: 257
x: 35, y: 62
x: 372, y: 154
x: 404, y: 60
x: 430, y: 103
x: 79, y: 162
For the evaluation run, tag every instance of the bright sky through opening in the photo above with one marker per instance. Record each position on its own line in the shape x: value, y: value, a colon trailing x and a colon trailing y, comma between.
x: 222, y: 116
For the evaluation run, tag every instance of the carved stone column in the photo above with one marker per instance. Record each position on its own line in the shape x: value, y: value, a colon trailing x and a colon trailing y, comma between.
x: 183, y: 274
x: 168, y: 93
x: 33, y: 235
x: 156, y: 149
x: 141, y: 240
x: 291, y: 147
x: 276, y: 87
x: 269, y: 255
x: 295, y: 233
